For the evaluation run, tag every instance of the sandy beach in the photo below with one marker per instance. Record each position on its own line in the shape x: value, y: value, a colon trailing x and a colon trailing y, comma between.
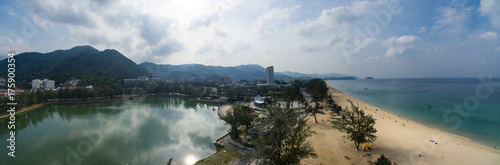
x: 399, y: 139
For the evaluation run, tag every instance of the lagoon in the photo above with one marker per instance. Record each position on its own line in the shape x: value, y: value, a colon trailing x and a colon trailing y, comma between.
x: 145, y: 131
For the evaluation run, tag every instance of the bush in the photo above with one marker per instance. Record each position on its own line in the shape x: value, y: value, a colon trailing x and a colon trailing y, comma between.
x: 382, y: 160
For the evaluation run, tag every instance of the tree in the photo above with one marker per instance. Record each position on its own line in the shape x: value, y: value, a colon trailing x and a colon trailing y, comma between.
x: 230, y: 93
x: 239, y: 116
x: 382, y: 160
x: 314, y: 110
x: 244, y: 115
x: 329, y: 99
x: 231, y: 120
x: 291, y: 94
x: 318, y: 91
x: 359, y: 126
x: 286, y: 142
x: 247, y: 98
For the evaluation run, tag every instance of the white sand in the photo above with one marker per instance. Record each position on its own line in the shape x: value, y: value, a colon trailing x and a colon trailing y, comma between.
x: 402, y: 144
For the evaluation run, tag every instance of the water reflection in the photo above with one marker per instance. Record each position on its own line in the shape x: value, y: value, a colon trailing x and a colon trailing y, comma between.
x: 148, y: 131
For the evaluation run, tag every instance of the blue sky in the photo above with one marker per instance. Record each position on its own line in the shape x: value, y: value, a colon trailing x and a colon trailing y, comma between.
x: 379, y: 38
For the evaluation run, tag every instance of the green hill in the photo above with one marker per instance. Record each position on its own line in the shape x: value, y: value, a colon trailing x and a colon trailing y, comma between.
x: 188, y: 71
x: 75, y: 61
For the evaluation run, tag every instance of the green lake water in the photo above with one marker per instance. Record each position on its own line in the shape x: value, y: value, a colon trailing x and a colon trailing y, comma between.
x: 147, y: 131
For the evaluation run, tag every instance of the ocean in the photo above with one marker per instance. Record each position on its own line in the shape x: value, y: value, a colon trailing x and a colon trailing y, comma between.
x: 467, y: 107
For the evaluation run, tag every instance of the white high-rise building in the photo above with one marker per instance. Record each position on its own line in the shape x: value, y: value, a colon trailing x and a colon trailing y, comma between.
x: 270, y: 75
x: 42, y: 84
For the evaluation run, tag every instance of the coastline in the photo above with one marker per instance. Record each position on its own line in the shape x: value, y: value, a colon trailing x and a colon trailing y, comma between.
x: 400, y: 139
x: 435, y: 127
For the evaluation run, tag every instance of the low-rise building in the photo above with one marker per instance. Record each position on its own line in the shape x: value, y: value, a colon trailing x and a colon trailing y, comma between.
x: 225, y: 80
x: 259, y: 101
x: 44, y: 84
x: 141, y: 80
x: 2, y: 81
x: 5, y: 92
x: 72, y: 83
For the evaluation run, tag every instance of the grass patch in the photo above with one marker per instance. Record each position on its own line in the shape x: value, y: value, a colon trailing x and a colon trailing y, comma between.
x: 256, y: 120
x: 225, y: 156
x: 218, y: 147
x: 242, y: 130
x: 337, y: 125
x: 24, y: 110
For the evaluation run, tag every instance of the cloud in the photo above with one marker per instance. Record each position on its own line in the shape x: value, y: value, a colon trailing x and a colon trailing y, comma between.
x: 166, y: 48
x: 497, y: 49
x: 422, y: 29
x: 345, y: 31
x: 273, y: 20
x: 334, y: 19
x: 324, y: 35
x: 72, y: 13
x: 452, y: 20
x: 398, y: 46
x: 204, y: 21
x: 127, y: 27
x: 153, y: 30
x: 11, y: 43
x: 491, y: 8
x: 488, y: 35
x: 372, y: 58
x: 8, y: 10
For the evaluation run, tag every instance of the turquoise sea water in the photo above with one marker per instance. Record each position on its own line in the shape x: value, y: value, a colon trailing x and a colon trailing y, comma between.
x: 466, y: 107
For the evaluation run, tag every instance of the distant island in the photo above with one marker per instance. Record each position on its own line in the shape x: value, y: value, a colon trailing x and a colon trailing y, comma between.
x: 369, y: 78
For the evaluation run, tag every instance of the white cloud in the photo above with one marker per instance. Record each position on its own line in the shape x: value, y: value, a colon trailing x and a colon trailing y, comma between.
x: 12, y: 43
x: 345, y: 31
x: 315, y: 36
x: 497, y: 49
x: 488, y: 35
x: 422, y: 29
x: 453, y: 20
x: 398, y: 46
x: 403, y: 40
x: 491, y: 8
x: 8, y: 10
x: 273, y: 20
x: 372, y: 58
x: 142, y: 31
x: 336, y: 18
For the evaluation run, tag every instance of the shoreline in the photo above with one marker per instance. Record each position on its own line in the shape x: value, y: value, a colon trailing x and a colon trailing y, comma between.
x: 33, y: 107
x: 435, y: 127
x: 36, y: 106
x: 402, y: 140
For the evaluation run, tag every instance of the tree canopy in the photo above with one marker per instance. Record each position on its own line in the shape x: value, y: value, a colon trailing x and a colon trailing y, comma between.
x: 359, y: 126
x: 382, y: 160
x: 317, y: 89
x: 286, y: 142
x: 239, y: 116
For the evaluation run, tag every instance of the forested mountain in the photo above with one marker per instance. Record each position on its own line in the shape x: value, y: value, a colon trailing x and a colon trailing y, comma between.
x: 187, y: 71
x: 86, y: 61
x: 77, y: 60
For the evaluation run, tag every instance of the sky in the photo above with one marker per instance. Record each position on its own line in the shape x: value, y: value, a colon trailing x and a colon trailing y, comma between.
x: 378, y: 38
